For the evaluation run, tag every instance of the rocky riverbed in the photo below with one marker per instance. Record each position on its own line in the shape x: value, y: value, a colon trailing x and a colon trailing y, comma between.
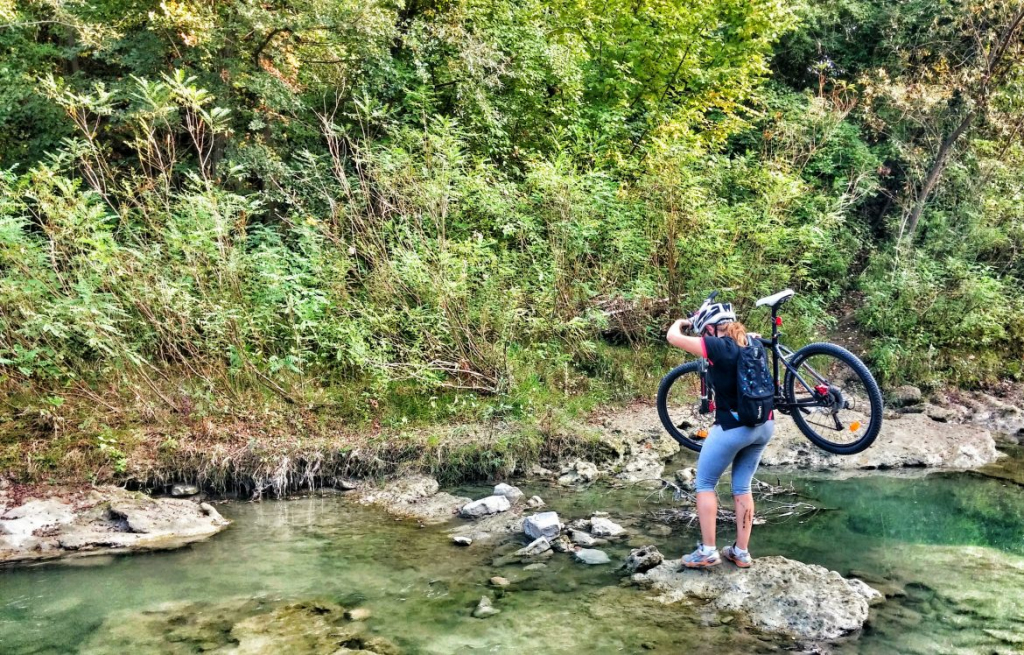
x: 308, y: 573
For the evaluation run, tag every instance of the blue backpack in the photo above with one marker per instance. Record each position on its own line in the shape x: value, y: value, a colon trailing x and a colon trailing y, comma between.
x: 755, y: 388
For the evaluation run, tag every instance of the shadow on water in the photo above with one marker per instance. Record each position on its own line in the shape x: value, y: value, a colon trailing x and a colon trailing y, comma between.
x: 946, y: 548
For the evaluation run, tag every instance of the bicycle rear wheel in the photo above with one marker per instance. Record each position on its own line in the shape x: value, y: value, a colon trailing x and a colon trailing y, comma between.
x: 834, y: 399
x: 679, y: 406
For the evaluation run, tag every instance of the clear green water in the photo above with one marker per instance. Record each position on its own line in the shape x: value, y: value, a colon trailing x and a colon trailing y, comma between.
x: 954, y: 545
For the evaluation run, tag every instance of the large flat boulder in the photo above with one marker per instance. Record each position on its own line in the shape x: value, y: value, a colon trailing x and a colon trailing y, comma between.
x: 776, y: 595
x: 416, y: 497
x: 101, y: 521
x: 908, y: 440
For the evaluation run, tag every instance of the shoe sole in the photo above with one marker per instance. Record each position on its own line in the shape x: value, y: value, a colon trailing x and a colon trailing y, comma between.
x: 700, y: 565
x: 742, y: 565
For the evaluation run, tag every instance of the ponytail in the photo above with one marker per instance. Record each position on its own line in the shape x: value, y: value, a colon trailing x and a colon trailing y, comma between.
x: 735, y: 331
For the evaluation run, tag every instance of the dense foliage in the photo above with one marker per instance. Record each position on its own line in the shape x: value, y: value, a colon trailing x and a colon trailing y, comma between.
x: 305, y: 196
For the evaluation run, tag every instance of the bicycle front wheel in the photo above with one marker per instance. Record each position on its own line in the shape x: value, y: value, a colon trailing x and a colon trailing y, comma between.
x: 834, y: 400
x: 680, y: 406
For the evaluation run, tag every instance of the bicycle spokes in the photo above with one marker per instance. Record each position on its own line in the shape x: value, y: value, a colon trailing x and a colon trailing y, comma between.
x: 831, y: 397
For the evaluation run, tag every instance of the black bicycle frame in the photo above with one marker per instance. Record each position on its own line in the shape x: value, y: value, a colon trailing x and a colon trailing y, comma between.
x: 780, y: 353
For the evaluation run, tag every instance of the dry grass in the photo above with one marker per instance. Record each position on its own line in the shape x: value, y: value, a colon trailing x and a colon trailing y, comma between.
x: 254, y: 446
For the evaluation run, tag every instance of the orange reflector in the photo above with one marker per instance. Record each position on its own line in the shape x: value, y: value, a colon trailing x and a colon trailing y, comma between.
x: 854, y: 426
x: 702, y: 434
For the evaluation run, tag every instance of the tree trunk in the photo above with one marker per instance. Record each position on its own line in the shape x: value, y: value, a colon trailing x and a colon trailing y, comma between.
x: 941, y: 159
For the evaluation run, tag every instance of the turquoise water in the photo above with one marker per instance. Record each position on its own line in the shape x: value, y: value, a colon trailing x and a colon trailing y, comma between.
x: 950, y: 545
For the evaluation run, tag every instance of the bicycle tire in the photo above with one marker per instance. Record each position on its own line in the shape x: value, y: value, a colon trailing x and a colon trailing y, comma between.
x: 664, y: 389
x: 870, y: 387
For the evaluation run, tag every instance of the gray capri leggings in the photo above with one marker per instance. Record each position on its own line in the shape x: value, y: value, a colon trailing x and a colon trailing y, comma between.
x: 741, y: 447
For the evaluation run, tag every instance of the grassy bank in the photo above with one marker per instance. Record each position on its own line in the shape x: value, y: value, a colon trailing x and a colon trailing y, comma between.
x: 251, y: 440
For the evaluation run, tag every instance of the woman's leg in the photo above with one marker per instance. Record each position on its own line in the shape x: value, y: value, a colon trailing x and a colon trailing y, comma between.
x: 744, y: 519
x: 743, y: 468
x: 716, y: 454
x: 707, y: 512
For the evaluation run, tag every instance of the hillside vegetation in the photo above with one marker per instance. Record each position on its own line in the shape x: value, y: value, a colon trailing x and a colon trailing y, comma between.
x: 302, y: 217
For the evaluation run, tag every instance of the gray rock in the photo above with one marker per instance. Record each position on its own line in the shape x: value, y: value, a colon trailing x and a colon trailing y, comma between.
x: 940, y: 414
x: 591, y: 556
x: 461, y: 540
x: 498, y: 581
x: 485, y: 506
x: 536, y: 547
x: 687, y: 478
x: 776, y: 595
x: 646, y: 467
x: 872, y: 595
x: 106, y: 520
x: 602, y: 527
x: 508, y: 491
x: 490, y: 529
x: 544, y: 524
x: 580, y: 472
x: 539, y: 566
x: 485, y: 609
x: 580, y: 524
x: 905, y: 395
x: 561, y: 544
x: 643, y: 559
x: 183, y: 490
x: 539, y: 471
x: 535, y: 502
x: 581, y: 538
x: 414, y: 496
x: 346, y: 484
x: 659, y: 530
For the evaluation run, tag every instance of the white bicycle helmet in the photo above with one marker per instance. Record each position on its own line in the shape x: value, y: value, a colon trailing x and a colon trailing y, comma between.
x: 712, y: 314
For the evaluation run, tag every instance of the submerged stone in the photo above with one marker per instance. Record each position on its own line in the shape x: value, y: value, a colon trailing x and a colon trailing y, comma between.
x: 236, y: 627
x: 535, y: 502
x: 485, y: 609
x: 581, y: 538
x: 536, y: 547
x: 591, y: 556
x: 603, y: 527
x: 416, y: 497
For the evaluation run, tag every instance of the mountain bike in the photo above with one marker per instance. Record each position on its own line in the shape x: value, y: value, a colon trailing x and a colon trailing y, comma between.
x: 832, y: 397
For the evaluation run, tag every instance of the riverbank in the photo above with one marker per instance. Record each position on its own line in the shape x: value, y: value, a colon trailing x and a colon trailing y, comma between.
x: 276, y: 449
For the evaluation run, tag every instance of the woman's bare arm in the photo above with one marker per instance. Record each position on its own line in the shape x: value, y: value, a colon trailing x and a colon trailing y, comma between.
x: 692, y: 345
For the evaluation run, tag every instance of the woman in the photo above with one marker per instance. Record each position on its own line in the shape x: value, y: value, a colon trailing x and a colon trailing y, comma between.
x: 728, y: 442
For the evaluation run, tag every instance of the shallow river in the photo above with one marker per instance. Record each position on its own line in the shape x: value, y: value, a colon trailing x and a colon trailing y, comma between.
x: 950, y: 545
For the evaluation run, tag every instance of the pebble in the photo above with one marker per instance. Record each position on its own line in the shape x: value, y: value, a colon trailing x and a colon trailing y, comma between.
x: 499, y: 581
x: 484, y: 609
x: 535, y: 567
x: 659, y: 530
x: 461, y: 541
x: 357, y: 614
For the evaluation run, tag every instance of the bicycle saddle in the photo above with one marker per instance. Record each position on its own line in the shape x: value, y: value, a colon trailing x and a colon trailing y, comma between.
x: 777, y: 299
